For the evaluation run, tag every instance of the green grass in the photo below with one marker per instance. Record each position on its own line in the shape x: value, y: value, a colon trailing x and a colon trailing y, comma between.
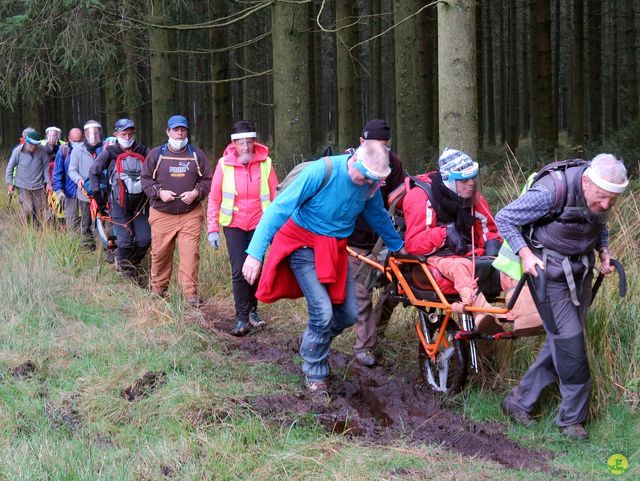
x: 91, y: 334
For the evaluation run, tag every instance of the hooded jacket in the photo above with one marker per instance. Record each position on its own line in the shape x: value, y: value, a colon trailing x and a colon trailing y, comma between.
x: 247, y: 210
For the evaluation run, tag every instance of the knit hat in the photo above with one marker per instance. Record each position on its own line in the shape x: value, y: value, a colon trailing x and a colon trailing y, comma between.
x: 123, y: 124
x: 376, y: 129
x: 33, y: 138
x: 456, y: 165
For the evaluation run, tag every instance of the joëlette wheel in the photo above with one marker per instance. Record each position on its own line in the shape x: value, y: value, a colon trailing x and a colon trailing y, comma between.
x: 448, y: 375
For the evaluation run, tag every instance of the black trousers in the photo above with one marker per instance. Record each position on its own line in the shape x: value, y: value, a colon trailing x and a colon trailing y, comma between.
x: 132, y: 241
x: 244, y: 294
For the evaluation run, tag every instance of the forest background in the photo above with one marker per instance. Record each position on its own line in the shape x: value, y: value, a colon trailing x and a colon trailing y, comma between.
x: 536, y: 79
x: 547, y: 76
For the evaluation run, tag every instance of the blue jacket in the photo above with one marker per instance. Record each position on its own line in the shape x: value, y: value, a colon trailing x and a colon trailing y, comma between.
x: 61, y: 180
x: 331, y: 211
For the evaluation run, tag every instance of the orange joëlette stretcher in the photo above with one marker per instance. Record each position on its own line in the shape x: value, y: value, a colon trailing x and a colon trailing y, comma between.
x: 447, y: 345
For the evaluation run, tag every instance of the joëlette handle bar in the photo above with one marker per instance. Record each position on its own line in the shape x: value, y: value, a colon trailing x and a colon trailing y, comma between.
x: 622, y: 280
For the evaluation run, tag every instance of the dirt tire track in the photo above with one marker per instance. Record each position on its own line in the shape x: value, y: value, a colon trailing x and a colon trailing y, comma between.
x: 380, y: 405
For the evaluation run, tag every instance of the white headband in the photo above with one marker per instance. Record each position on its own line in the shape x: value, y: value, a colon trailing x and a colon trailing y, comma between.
x: 88, y: 125
x: 605, y: 184
x: 49, y: 129
x: 243, y: 135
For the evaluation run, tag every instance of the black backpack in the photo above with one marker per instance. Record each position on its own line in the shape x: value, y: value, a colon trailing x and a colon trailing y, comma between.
x: 557, y: 172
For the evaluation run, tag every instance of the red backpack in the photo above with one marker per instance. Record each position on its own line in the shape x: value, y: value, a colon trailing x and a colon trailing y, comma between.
x: 125, y: 181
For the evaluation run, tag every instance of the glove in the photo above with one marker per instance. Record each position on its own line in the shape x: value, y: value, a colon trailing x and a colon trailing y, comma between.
x: 214, y: 240
x: 61, y: 196
x: 455, y: 242
x: 492, y: 247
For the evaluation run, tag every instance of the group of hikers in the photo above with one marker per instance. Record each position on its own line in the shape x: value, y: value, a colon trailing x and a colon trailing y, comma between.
x: 154, y: 198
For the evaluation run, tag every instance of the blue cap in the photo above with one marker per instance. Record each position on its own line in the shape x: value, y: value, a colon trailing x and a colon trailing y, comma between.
x: 178, y: 121
x: 123, y: 124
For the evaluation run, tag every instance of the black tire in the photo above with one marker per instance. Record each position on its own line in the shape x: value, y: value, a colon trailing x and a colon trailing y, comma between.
x: 457, y: 359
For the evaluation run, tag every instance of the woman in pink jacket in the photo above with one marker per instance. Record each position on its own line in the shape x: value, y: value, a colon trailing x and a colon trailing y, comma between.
x: 244, y: 184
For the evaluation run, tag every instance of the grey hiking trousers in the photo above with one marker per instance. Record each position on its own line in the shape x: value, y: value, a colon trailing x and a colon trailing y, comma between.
x: 563, y: 357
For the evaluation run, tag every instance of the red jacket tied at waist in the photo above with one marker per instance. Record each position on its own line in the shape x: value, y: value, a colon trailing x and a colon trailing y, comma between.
x: 331, y: 258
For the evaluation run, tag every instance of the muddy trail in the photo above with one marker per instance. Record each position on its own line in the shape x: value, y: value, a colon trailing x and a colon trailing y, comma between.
x: 378, y: 405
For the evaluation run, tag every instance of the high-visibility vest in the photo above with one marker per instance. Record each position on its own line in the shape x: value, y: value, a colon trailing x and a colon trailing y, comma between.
x: 229, y: 190
x: 508, y: 261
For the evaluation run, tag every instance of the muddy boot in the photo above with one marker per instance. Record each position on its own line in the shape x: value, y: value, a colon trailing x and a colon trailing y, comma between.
x: 240, y: 329
x: 318, y: 392
x: 577, y: 432
x: 485, y: 323
x: 366, y: 358
x: 255, y: 320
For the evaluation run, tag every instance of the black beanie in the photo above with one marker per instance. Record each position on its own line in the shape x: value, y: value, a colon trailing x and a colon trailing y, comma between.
x: 376, y: 129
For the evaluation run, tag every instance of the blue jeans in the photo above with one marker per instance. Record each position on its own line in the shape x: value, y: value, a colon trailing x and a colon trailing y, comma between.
x: 326, y: 320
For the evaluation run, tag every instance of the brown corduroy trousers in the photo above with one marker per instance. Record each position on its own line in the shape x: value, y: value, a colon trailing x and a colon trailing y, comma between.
x: 166, y: 229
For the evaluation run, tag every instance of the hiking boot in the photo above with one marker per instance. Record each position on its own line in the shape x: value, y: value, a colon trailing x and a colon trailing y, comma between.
x: 487, y: 324
x: 366, y: 358
x: 129, y: 274
x: 110, y: 256
x: 240, y: 329
x: 195, y: 301
x: 515, y: 413
x: 577, y: 432
x: 255, y: 320
x: 161, y: 294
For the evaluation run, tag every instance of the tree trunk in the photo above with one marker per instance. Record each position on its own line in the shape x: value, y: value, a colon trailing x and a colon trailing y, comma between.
x: 556, y: 68
x: 595, y: 70
x: 632, y: 64
x: 480, y: 85
x: 513, y: 131
x: 220, y: 92
x: 525, y: 77
x: 503, y: 84
x: 290, y: 83
x: 113, y: 94
x: 409, y: 115
x: 162, y: 100
x: 430, y: 83
x: 544, y: 140
x: 348, y: 74
x: 577, y: 124
x: 489, y: 89
x: 615, y: 69
x: 457, y: 76
x: 376, y: 56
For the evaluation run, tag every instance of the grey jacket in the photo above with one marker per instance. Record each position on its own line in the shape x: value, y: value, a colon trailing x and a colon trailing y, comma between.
x: 80, y: 161
x: 32, y: 171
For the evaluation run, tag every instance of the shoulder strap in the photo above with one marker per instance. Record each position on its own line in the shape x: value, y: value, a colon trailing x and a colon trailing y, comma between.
x: 425, y: 186
x: 328, y: 163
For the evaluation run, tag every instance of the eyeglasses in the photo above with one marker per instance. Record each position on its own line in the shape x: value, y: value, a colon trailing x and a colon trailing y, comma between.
x: 244, y: 142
